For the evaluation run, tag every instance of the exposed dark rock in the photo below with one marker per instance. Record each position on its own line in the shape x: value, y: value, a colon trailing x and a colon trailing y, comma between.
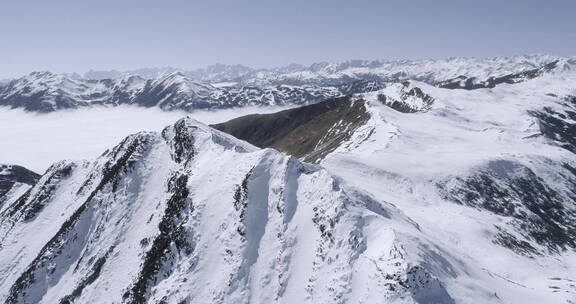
x: 401, y: 103
x: 10, y: 174
x: 537, y: 211
x: 72, y: 231
x: 472, y: 83
x: 181, y: 142
x: 241, y: 203
x: 361, y: 86
x: 89, y: 279
x: 172, y: 236
x: 309, y: 132
x: 558, y: 124
x: 27, y: 206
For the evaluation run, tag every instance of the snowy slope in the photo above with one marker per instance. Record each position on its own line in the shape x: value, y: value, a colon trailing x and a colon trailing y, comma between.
x: 193, y: 215
x: 403, y: 96
x: 14, y: 181
x: 442, y: 194
x: 489, y: 173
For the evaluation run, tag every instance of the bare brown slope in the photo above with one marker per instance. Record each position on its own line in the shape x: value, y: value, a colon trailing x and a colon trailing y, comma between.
x: 308, y: 132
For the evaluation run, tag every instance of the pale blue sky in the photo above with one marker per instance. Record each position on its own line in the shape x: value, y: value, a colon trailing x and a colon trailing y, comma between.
x: 75, y: 36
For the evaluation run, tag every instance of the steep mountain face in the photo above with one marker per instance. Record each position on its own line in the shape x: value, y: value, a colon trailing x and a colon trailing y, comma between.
x: 14, y: 180
x: 431, y: 71
x: 173, y: 91
x: 162, y: 218
x: 309, y: 132
x: 46, y: 92
x: 420, y: 193
x: 404, y: 97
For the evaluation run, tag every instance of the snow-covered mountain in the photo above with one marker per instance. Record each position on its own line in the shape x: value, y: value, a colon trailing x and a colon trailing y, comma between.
x: 14, y: 181
x: 46, y: 92
x: 409, y: 192
x: 489, y: 173
x: 431, y: 71
x: 194, y: 215
x: 225, y: 86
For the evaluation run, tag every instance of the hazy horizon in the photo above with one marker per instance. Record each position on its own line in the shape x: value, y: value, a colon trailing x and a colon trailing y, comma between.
x: 75, y: 37
x: 81, y: 73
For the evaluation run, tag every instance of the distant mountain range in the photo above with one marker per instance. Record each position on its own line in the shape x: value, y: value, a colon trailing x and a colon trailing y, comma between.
x: 225, y: 86
x: 412, y: 193
x: 426, y: 70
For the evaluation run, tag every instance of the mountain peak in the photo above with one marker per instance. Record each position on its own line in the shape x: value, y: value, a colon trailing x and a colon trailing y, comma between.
x: 189, y: 216
x: 189, y: 135
x: 42, y: 74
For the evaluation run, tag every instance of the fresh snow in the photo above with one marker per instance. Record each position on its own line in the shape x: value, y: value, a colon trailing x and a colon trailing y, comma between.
x: 366, y: 225
x: 401, y: 157
x: 271, y: 229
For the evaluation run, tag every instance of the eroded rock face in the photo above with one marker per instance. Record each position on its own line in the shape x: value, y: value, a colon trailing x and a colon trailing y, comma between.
x: 10, y: 174
x: 542, y: 216
x: 309, y: 132
x: 559, y: 123
x: 405, y: 97
x: 13, y: 179
x: 473, y: 83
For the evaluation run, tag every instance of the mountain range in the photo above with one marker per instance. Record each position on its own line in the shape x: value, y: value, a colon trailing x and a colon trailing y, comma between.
x: 228, y: 86
x: 458, y: 188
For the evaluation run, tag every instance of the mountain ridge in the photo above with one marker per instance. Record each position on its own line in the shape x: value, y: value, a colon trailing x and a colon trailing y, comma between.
x: 154, y: 219
x: 222, y: 86
x: 203, y: 74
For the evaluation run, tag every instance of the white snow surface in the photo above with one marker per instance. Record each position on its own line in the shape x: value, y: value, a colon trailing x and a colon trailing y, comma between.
x: 244, y: 225
x: 400, y: 157
x: 258, y: 226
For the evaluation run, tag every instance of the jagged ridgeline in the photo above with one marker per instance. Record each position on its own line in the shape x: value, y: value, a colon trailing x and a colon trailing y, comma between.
x: 433, y: 192
x: 193, y: 215
x: 312, y: 132
x: 14, y: 180
x: 221, y: 86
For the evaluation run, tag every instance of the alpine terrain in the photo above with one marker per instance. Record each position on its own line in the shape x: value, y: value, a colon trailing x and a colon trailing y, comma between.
x: 225, y: 86
x: 430, y: 181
